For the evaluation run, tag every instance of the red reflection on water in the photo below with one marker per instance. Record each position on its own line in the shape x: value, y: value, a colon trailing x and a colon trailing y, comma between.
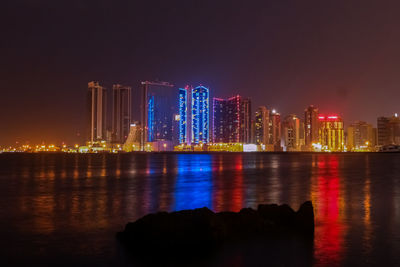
x: 217, y: 194
x: 227, y: 194
x: 237, y: 191
x: 328, y: 202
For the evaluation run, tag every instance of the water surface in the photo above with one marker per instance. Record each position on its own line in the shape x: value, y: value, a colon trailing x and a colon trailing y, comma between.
x: 64, y: 209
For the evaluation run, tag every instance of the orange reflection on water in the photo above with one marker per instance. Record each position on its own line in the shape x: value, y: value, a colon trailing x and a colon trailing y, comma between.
x: 220, y: 164
x: 43, y: 206
x: 275, y: 182
x: 367, y: 242
x: 76, y: 168
x: 89, y: 167
x: 118, y: 168
x: 329, y: 209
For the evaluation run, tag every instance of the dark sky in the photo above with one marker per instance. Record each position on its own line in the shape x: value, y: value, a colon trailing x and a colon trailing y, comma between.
x: 342, y: 56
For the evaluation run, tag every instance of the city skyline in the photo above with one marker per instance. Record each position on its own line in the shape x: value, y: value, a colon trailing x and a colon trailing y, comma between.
x: 178, y: 119
x: 341, y: 57
x: 108, y: 121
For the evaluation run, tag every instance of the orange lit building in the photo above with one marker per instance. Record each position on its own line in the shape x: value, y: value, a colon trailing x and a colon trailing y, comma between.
x: 331, y: 133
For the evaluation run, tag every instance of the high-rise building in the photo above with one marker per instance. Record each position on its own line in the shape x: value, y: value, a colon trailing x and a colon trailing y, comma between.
x: 311, y: 125
x: 389, y: 130
x: 394, y: 130
x: 194, y: 115
x: 261, y: 126
x: 302, y: 136
x: 220, y: 134
x: 185, y: 119
x: 360, y: 136
x: 122, y: 110
x: 160, y: 113
x: 200, y: 115
x: 245, y: 123
x: 268, y: 129
x: 132, y: 143
x: 331, y: 134
x: 383, y: 134
x: 253, y: 132
x: 291, y: 133
x: 232, y: 120
x: 274, y: 131
x: 97, y: 104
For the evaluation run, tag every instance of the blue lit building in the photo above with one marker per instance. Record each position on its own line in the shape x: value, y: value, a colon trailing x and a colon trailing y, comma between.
x: 159, y: 113
x: 183, y: 115
x: 200, y: 115
x: 194, y: 112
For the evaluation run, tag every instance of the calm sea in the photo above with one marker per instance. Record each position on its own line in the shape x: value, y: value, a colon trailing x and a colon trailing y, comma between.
x: 64, y: 209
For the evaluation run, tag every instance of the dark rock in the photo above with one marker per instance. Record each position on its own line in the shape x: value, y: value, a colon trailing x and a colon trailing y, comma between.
x: 305, y: 218
x: 201, y: 230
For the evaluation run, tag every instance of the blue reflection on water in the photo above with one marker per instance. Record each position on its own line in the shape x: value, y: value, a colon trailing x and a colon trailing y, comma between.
x: 193, y: 187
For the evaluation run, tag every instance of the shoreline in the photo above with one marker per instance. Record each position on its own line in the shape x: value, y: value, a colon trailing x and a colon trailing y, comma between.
x: 207, y: 152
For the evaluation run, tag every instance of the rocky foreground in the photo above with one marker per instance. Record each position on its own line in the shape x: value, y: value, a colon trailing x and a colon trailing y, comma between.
x: 197, y: 231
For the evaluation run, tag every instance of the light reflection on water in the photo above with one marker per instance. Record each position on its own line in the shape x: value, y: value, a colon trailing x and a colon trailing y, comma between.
x: 71, y: 205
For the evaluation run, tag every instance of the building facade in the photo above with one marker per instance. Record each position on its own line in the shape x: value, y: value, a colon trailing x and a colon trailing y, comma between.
x: 261, y: 126
x: 200, y: 127
x: 331, y: 133
x: 232, y: 120
x: 311, y: 124
x: 245, y: 120
x: 389, y: 130
x: 360, y: 136
x: 185, y: 115
x: 122, y: 112
x: 291, y: 133
x: 97, y: 107
x: 274, y: 132
x: 194, y: 115
x: 220, y: 134
x: 383, y: 134
x: 394, y: 130
x: 159, y: 114
x: 132, y: 143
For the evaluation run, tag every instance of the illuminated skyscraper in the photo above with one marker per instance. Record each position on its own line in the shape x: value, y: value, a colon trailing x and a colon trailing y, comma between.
x: 159, y: 113
x: 184, y: 115
x: 360, y: 135
x: 220, y: 134
x: 331, y: 134
x: 301, y: 136
x: 122, y: 110
x: 200, y: 115
x: 383, y: 134
x: 291, y: 133
x: 97, y: 103
x: 394, y: 130
x: 232, y: 120
x: 194, y: 115
x: 245, y: 123
x: 389, y: 130
x: 261, y: 126
x: 311, y: 125
x: 274, y: 131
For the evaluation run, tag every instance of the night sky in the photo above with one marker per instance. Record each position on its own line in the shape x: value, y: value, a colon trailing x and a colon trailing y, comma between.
x: 342, y: 56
